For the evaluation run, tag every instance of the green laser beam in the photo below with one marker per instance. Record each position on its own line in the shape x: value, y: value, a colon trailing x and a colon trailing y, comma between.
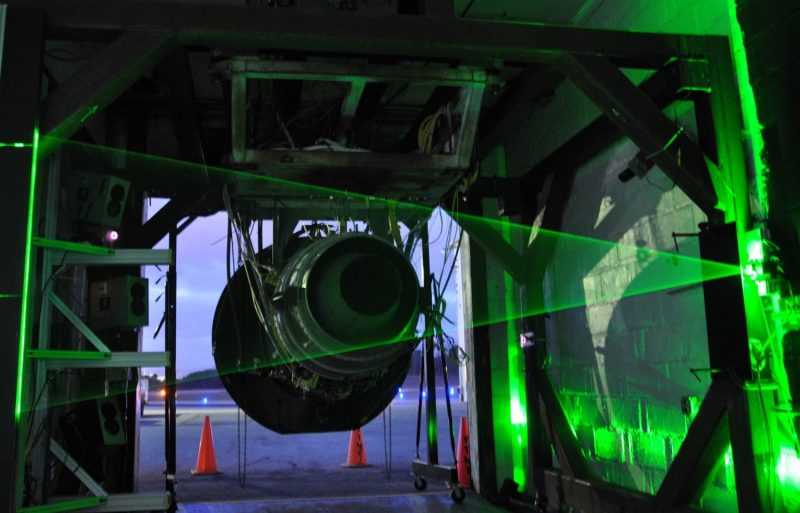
x: 135, y: 159
x: 577, y: 253
x: 15, y: 145
x: 24, y: 329
x: 642, y: 270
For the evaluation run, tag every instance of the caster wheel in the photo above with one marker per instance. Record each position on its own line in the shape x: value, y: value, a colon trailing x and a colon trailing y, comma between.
x: 420, y: 484
x: 458, y: 494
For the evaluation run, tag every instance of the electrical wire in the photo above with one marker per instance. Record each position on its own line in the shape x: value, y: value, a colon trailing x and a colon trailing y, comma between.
x: 256, y: 281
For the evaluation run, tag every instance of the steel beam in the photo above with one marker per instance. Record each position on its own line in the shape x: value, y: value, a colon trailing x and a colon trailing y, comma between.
x: 182, y: 106
x: 116, y: 359
x: 492, y: 242
x: 73, y: 466
x: 73, y: 247
x: 692, y: 470
x: 20, y: 80
x: 158, y: 226
x: 121, y: 257
x: 566, y: 493
x: 100, y: 80
x: 559, y: 429
x: 648, y: 127
x: 539, y: 252
x: 352, y: 98
x: 62, y: 506
x: 749, y: 410
x: 663, y: 88
x: 534, y: 85
x: 232, y: 27
x: 347, y: 72
x: 77, y: 322
x: 725, y: 105
x: 471, y: 107
x: 141, y: 501
x: 432, y: 430
x: 535, y: 349
x: 170, y: 341
x: 479, y: 380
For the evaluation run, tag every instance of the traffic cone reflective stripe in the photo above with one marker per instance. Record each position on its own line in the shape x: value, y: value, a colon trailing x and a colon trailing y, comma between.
x: 357, y: 454
x: 462, y: 456
x: 206, y: 458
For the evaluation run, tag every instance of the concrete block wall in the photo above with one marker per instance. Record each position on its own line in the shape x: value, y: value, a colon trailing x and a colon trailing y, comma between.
x: 622, y: 366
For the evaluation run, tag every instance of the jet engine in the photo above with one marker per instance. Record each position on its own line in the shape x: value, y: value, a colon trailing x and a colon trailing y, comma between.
x: 323, y: 342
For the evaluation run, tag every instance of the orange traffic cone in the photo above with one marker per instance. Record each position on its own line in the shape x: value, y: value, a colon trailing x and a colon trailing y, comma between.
x: 463, y: 466
x: 206, y: 458
x: 357, y: 455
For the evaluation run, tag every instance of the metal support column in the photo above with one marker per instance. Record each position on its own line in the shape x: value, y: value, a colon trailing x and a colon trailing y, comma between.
x: 21, y: 41
x: 482, y: 447
x: 430, y: 358
x: 431, y: 470
x: 170, y: 342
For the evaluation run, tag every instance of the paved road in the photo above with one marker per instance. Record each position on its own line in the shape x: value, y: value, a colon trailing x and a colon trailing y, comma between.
x: 285, y: 466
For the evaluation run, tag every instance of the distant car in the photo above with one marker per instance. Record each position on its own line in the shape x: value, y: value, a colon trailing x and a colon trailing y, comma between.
x: 162, y: 393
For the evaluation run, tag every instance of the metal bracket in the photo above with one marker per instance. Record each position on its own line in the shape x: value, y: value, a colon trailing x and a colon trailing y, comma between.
x: 122, y: 257
x: 647, y: 126
x: 117, y: 359
x: 103, y: 77
x: 73, y: 466
x: 293, y: 171
x: 76, y: 321
x: 494, y: 244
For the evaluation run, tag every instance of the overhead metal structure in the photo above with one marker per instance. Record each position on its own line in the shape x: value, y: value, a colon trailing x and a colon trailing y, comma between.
x: 470, y: 55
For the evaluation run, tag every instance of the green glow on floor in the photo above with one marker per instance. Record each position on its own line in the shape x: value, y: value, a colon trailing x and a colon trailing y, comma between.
x: 653, y: 270
x: 24, y: 328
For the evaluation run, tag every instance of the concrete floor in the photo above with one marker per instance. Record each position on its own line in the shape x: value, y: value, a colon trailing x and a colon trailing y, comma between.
x: 288, y: 471
x: 425, y: 502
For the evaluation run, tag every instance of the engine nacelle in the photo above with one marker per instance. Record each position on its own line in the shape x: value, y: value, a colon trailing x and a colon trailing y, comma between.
x: 345, y: 312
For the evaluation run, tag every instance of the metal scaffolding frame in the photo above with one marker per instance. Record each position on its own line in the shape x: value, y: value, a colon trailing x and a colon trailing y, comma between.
x: 589, y: 58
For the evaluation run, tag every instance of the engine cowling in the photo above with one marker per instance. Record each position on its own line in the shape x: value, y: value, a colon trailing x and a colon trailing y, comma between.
x: 345, y: 313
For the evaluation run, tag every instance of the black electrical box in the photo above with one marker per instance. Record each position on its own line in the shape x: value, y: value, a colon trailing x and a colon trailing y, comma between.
x: 97, y: 199
x: 119, y: 302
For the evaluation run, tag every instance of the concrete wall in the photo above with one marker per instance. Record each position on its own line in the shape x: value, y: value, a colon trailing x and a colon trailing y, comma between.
x: 621, y: 366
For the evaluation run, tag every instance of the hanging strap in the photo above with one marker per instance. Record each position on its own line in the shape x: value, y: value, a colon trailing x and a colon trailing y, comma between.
x: 440, y: 339
x: 419, y: 400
